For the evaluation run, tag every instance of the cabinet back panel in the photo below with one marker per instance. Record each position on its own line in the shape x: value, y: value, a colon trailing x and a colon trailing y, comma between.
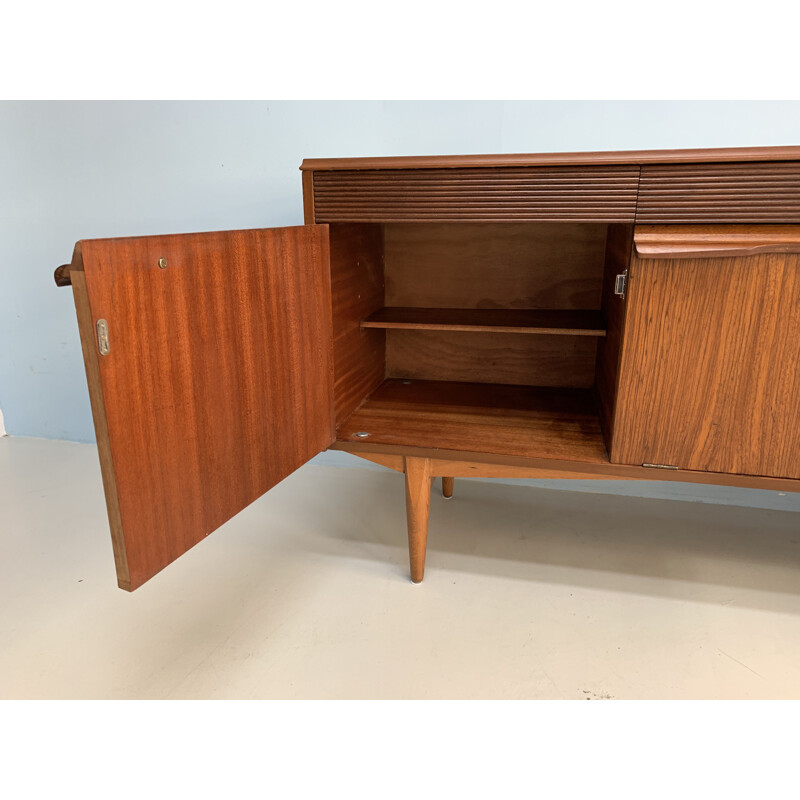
x: 510, y: 358
x: 544, y: 265
x: 359, y: 361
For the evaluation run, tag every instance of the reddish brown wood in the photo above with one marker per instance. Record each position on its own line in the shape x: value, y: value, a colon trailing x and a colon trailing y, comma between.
x: 418, y: 504
x: 357, y: 291
x: 465, y: 463
x: 568, y: 322
x: 687, y: 156
x: 91, y: 360
x: 587, y: 194
x: 218, y: 382
x: 495, y: 265
x: 719, y: 193
x: 460, y: 468
x: 504, y: 420
x: 448, y: 483
x: 308, y: 198
x: 491, y: 358
x: 710, y: 241
x: 709, y: 377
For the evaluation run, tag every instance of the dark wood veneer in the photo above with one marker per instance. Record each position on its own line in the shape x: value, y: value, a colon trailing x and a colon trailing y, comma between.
x: 687, y: 156
x: 577, y: 194
x: 566, y: 322
x: 720, y: 193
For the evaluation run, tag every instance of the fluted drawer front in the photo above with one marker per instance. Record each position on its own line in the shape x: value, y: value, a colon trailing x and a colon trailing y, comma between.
x: 578, y: 194
x: 754, y: 192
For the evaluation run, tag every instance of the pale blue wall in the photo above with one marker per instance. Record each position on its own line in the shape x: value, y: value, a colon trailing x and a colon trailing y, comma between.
x: 83, y: 170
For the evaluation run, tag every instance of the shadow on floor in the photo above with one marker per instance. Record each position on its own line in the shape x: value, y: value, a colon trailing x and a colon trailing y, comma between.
x: 601, y: 541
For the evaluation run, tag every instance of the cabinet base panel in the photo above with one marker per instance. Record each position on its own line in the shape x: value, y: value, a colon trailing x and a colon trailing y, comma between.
x: 449, y: 463
x: 521, y: 421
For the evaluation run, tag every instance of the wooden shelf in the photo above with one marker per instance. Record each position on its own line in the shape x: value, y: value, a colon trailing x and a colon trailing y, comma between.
x: 531, y: 422
x: 494, y: 320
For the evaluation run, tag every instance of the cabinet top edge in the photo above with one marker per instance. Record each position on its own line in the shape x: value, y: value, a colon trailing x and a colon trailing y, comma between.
x: 599, y: 158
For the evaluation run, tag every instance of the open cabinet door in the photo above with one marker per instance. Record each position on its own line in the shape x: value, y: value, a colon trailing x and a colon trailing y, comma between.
x: 209, y: 362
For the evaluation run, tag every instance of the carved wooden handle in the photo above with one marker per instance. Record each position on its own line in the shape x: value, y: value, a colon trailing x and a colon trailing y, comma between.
x: 61, y: 275
x: 714, y: 241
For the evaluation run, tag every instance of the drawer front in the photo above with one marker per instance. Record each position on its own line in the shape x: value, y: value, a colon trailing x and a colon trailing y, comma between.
x: 754, y: 192
x: 575, y: 194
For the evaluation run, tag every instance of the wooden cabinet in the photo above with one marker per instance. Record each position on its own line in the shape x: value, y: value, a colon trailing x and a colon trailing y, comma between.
x: 596, y: 315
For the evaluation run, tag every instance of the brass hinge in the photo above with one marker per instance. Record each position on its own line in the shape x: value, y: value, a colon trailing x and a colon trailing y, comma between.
x: 621, y: 284
x: 660, y: 466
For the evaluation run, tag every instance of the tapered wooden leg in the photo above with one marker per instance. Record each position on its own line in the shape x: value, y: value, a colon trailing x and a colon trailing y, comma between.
x: 418, y: 505
x: 447, y: 487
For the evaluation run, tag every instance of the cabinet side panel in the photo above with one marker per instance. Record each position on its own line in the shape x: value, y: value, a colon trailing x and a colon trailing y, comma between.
x: 357, y: 290
x: 709, y: 377
x: 618, y: 253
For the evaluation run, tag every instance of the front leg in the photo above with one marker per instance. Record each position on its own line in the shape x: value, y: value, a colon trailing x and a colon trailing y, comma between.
x: 418, y: 505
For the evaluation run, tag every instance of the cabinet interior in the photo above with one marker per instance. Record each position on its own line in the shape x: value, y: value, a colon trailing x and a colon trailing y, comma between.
x: 488, y: 337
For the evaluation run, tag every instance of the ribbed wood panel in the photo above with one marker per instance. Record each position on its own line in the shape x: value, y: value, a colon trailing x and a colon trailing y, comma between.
x: 719, y: 193
x: 577, y: 194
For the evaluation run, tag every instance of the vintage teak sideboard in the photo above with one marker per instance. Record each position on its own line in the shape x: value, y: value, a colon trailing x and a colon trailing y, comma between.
x: 629, y: 315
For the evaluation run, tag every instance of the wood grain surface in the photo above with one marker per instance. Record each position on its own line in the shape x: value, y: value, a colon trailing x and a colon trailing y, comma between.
x: 542, y: 360
x: 482, y: 464
x: 588, y: 194
x: 418, y: 506
x: 709, y: 377
x: 685, y: 156
x: 540, y: 266
x: 507, y: 420
x: 91, y: 360
x: 357, y: 291
x: 618, y: 254
x: 719, y: 193
x: 218, y: 382
x: 709, y: 241
x: 566, y: 322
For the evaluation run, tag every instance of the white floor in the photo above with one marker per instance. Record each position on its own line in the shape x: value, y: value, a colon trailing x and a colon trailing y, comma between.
x: 529, y: 593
